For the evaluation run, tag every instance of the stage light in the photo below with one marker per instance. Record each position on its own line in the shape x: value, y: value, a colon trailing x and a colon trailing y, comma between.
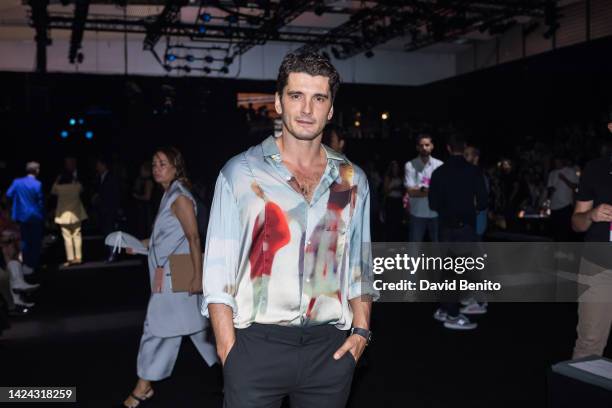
x: 72, y: 121
x: 189, y: 58
x: 89, y: 135
x: 228, y: 60
x: 64, y: 134
x: 206, y: 70
x: 81, y: 121
x: 206, y: 17
x: 208, y: 59
x: 170, y: 57
x: 357, y: 123
x: 384, y: 116
x: 224, y: 70
x: 232, y: 18
x: 187, y: 68
x: 202, y: 29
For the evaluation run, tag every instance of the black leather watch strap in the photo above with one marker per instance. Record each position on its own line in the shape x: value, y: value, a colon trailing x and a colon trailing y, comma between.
x: 365, y: 333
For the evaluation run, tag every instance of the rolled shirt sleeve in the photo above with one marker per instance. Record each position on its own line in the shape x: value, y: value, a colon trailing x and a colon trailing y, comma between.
x: 410, y: 176
x: 221, y: 254
x: 361, y: 281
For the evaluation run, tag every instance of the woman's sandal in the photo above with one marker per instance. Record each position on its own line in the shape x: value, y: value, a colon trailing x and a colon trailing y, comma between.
x: 142, y: 401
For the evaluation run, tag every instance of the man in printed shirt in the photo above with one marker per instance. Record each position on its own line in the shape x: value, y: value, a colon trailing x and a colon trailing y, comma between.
x: 287, y: 267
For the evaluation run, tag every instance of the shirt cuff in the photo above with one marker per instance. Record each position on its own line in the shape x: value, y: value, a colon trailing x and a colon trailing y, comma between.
x: 219, y: 298
x: 363, y: 289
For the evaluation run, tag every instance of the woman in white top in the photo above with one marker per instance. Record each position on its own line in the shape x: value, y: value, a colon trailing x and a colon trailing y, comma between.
x: 69, y: 215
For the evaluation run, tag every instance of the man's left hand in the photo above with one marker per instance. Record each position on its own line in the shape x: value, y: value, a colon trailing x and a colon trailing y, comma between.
x: 354, y: 344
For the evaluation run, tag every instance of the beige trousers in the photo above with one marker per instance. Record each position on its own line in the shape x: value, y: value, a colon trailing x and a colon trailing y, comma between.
x: 594, y: 310
x: 73, y: 241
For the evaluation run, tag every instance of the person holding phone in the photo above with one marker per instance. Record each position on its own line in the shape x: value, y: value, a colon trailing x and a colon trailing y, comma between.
x: 171, y: 315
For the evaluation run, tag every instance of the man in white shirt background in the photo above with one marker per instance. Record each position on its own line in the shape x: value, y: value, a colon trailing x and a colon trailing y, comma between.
x: 562, y: 183
x: 417, y: 176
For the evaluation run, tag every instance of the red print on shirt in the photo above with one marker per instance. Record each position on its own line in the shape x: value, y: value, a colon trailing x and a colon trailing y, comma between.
x: 270, y: 233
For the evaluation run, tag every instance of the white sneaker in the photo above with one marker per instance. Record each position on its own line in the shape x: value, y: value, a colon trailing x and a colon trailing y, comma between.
x: 440, y: 315
x: 474, y: 309
x: 468, y: 301
x: 459, y: 323
x: 18, y: 301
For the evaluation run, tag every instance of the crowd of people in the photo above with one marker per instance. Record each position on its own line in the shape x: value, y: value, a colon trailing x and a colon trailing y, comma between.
x: 262, y: 246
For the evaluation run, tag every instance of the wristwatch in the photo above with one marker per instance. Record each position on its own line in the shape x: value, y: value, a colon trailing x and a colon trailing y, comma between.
x: 365, y: 333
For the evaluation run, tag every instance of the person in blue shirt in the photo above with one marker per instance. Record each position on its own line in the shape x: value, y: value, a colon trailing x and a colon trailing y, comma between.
x: 27, y: 200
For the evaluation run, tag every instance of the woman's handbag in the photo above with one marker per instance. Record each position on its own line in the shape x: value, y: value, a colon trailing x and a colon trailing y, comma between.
x: 182, y: 272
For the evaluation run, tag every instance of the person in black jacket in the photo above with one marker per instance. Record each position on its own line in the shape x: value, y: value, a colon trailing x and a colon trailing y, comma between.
x: 107, y: 199
x: 457, y: 192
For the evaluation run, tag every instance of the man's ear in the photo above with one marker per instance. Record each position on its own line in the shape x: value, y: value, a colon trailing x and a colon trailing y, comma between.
x: 277, y: 104
x: 331, y: 113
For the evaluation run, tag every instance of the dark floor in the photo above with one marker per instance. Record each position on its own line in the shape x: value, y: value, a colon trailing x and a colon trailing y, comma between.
x: 87, y: 324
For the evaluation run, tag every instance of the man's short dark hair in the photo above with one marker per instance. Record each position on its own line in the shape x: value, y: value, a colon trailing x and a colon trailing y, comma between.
x: 476, y: 150
x: 103, y: 159
x: 422, y: 136
x: 329, y: 130
x: 310, y: 63
x: 32, y: 167
x: 456, y: 142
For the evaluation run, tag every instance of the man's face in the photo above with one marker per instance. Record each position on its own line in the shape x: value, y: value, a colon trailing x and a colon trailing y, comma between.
x: 424, y: 147
x: 100, y: 167
x: 70, y: 164
x: 471, y: 156
x: 305, y: 105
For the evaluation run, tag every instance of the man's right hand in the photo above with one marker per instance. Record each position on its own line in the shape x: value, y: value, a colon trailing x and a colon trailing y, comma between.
x: 601, y: 213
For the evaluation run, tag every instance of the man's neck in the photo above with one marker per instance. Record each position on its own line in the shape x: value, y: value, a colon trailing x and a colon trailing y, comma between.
x: 302, y: 153
x: 425, y: 159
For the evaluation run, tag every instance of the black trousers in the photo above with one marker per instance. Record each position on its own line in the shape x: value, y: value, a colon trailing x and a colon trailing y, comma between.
x: 561, y: 223
x: 465, y: 233
x: 269, y: 362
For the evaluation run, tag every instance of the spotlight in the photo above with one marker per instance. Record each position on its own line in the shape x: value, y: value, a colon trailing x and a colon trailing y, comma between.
x: 189, y: 58
x: 187, y: 68
x: 167, y: 67
x: 384, y: 116
x: 202, y: 29
x: 72, y: 121
x: 206, y: 70
x: 206, y: 17
x: 232, y: 18
x: 224, y: 70
x: 81, y: 121
x: 369, y: 54
x: 228, y: 60
x: 64, y: 134
x: 89, y: 135
x: 170, y: 57
x: 208, y: 59
x: 357, y: 123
